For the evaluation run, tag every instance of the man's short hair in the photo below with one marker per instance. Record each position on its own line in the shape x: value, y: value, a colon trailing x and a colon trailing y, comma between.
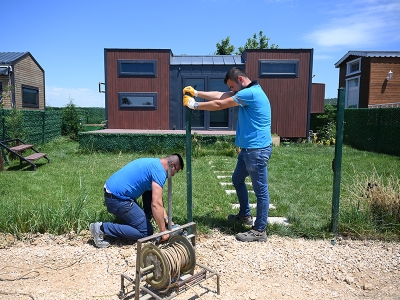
x: 234, y: 73
x: 176, y: 158
x: 181, y: 163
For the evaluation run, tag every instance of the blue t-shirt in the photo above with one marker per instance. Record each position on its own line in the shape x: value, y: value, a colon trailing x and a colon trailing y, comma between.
x: 132, y: 180
x: 253, y: 129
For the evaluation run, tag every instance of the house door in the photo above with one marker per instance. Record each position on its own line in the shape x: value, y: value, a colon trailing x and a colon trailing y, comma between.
x: 206, y: 120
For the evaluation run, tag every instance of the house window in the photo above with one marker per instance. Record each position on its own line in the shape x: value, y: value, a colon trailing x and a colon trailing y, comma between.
x: 137, y: 68
x: 137, y: 100
x: 352, y: 92
x: 353, y: 67
x: 278, y: 68
x: 30, y: 96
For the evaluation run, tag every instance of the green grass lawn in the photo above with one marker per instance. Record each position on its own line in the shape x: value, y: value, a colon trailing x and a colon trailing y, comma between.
x: 67, y: 194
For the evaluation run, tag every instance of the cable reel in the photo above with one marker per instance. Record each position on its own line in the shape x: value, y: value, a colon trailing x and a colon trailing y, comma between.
x: 166, y: 263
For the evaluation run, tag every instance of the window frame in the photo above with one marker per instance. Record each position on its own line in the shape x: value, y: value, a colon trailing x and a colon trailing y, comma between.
x: 350, y: 63
x: 348, y: 92
x: 153, y: 62
x: 122, y: 106
x: 262, y: 62
x: 24, y: 104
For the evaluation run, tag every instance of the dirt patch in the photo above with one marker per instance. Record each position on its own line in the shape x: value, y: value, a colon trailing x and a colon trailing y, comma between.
x: 70, y: 267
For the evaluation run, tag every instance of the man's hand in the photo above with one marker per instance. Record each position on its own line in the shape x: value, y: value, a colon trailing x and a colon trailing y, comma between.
x: 164, y: 238
x: 190, y: 90
x: 189, y: 101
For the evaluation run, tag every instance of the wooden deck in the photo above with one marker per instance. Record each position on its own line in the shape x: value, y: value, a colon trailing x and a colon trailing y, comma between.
x: 136, y: 131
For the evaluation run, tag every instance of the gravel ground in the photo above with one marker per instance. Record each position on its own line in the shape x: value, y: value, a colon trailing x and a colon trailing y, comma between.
x: 62, y: 267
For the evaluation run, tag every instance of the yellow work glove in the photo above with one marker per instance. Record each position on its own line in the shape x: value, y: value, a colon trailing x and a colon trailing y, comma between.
x: 190, y: 102
x: 190, y: 90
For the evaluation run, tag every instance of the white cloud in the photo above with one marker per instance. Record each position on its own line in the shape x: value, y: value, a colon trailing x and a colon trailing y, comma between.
x: 362, y: 24
x: 81, y: 97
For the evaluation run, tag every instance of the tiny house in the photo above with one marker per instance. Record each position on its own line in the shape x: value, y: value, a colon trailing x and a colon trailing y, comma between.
x: 21, y: 74
x: 143, y: 88
x: 370, y: 78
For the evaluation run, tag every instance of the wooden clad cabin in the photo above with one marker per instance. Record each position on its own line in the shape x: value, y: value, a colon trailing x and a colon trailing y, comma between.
x: 143, y: 88
x: 21, y: 72
x: 370, y: 78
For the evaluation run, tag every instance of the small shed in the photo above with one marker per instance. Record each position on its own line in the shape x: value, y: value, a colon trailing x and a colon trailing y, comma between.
x: 21, y: 81
x: 370, y: 78
x: 143, y: 88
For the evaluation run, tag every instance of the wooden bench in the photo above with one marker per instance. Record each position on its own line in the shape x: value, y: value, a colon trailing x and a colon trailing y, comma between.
x: 18, y: 151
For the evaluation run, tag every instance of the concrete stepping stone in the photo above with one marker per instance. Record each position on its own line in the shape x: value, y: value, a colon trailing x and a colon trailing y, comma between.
x: 230, y: 183
x: 252, y: 205
x: 230, y: 192
x: 278, y: 220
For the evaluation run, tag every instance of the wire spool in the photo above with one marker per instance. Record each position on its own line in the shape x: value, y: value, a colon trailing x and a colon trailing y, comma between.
x: 170, y: 260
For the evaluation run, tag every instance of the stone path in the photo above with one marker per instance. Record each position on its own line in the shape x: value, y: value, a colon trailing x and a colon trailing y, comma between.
x: 227, y: 185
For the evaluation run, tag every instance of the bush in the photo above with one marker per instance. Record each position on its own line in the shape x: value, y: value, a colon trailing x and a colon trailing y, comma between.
x: 71, y: 121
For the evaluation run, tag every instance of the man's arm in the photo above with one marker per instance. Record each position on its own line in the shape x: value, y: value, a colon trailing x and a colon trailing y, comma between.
x: 210, y: 96
x: 157, y: 208
x: 217, y: 104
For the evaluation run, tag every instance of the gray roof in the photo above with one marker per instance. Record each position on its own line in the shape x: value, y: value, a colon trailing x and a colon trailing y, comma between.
x: 8, y: 58
x: 368, y: 54
x: 207, y: 60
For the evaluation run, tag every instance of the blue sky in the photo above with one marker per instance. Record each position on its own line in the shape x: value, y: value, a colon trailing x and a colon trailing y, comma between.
x: 68, y: 38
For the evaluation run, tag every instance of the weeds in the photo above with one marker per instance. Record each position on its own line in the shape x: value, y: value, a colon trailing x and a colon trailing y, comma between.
x: 373, y: 204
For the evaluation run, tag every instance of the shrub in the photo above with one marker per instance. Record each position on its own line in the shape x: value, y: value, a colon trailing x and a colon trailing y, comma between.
x: 71, y: 121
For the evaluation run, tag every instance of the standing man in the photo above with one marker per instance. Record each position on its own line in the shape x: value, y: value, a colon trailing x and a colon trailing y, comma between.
x: 253, y: 136
x: 142, y: 177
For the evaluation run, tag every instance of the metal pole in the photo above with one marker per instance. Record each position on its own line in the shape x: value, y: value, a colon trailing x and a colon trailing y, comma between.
x: 337, y: 161
x: 189, y: 164
x: 169, y: 196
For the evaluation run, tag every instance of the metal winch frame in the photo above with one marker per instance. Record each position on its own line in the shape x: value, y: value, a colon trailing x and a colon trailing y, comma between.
x: 153, y: 273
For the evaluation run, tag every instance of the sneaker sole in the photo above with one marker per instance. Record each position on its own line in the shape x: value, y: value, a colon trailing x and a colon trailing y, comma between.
x: 258, y: 240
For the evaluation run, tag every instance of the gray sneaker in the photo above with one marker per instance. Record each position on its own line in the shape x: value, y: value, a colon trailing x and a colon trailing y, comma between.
x: 246, y: 220
x: 98, y: 235
x: 252, y: 236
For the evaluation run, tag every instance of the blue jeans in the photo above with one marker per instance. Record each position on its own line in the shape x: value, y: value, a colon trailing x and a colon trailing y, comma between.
x: 136, y: 226
x: 253, y: 162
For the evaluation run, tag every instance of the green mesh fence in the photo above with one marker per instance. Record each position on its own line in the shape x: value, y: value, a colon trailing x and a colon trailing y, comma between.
x: 373, y: 129
x: 39, y: 126
x: 376, y: 130
x: 92, y: 115
x: 89, y: 115
x: 146, y: 143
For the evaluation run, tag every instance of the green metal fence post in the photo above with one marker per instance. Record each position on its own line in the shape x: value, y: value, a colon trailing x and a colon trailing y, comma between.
x: 337, y: 161
x: 189, y: 164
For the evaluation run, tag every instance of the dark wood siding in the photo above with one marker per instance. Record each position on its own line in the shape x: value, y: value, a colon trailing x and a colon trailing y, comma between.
x: 136, y: 118
x: 318, y: 94
x: 364, y: 82
x: 289, y: 97
x: 342, y: 76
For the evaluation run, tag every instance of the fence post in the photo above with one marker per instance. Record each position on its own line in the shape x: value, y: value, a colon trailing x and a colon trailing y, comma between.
x: 189, y: 164
x: 337, y: 161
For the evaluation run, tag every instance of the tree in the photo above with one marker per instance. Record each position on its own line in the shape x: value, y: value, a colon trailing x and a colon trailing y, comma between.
x: 71, y: 121
x: 225, y: 47
x: 253, y: 43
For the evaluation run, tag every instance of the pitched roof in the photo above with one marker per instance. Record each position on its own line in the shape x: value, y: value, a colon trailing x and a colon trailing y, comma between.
x: 368, y: 54
x: 8, y: 58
